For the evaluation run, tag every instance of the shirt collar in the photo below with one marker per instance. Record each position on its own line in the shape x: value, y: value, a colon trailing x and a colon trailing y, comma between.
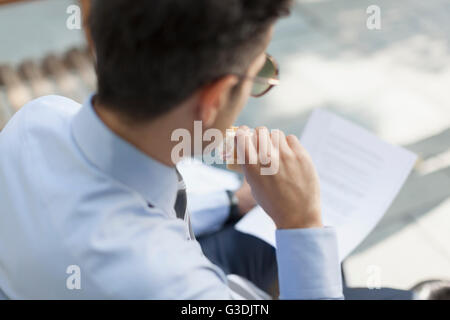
x: 156, y: 182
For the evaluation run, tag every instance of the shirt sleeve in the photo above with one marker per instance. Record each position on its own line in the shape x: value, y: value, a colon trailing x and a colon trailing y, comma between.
x: 208, y: 212
x: 308, y: 264
x: 308, y: 261
x: 150, y: 258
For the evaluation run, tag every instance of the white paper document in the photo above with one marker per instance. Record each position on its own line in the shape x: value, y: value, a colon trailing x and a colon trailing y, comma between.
x: 360, y: 175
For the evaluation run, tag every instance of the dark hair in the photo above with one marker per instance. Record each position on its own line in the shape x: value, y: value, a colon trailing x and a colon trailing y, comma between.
x: 153, y: 54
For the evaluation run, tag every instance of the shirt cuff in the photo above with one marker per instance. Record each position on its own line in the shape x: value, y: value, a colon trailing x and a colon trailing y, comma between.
x: 308, y: 264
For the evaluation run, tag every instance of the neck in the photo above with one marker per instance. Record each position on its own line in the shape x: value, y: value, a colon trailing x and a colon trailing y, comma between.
x: 153, y: 139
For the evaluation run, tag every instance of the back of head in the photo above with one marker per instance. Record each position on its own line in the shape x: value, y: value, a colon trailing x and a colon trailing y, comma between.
x: 152, y: 55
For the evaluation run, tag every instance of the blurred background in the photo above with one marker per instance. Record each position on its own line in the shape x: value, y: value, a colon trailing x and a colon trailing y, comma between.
x: 393, y: 81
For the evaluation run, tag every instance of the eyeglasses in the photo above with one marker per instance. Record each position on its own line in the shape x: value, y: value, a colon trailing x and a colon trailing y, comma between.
x: 266, y: 79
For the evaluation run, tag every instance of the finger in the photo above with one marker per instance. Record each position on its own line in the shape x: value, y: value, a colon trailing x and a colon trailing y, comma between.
x: 246, y: 149
x: 264, y: 145
x: 242, y: 130
x: 295, y: 145
x: 284, y: 150
x: 279, y: 140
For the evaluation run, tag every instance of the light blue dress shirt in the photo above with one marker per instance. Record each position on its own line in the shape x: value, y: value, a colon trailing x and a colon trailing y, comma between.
x: 72, y: 193
x: 208, y: 213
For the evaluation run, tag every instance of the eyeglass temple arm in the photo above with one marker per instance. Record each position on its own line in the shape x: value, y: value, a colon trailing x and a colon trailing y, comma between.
x: 271, y: 81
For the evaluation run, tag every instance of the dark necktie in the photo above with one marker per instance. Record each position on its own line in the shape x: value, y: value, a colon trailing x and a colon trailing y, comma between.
x: 181, y: 205
x: 237, y: 284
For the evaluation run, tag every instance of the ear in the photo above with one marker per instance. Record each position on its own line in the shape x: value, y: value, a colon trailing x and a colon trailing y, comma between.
x: 213, y: 97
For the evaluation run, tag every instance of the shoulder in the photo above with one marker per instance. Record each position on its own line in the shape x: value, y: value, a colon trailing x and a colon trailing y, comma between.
x: 48, y: 110
x: 45, y: 112
x: 51, y: 104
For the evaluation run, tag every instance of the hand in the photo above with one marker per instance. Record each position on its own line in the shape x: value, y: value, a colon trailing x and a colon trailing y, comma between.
x: 291, y: 195
x: 245, y: 197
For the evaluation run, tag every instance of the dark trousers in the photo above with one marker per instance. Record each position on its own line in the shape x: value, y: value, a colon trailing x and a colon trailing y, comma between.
x: 249, y: 257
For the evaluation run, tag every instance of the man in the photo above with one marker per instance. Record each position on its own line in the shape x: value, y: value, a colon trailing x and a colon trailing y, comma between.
x: 92, y: 205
